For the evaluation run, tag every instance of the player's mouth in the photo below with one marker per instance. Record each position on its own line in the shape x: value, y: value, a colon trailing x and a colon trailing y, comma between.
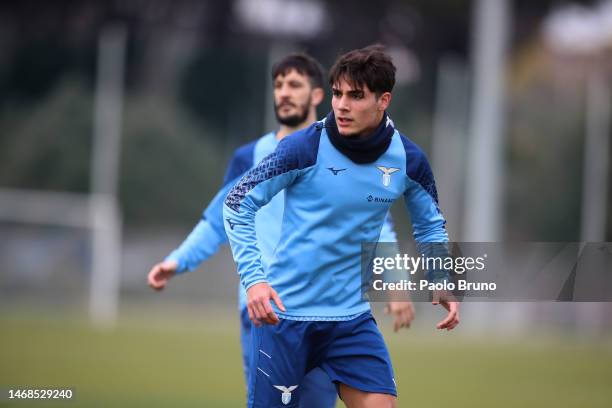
x: 286, y: 105
x: 343, y: 121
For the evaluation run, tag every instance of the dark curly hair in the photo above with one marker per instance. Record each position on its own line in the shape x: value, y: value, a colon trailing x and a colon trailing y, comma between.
x: 369, y: 66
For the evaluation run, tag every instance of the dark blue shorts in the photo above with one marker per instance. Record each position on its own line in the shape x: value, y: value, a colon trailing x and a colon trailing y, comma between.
x: 351, y: 352
x: 317, y: 390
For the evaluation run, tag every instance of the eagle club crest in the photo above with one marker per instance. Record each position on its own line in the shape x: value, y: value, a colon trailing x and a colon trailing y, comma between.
x: 387, y: 172
x: 286, y: 396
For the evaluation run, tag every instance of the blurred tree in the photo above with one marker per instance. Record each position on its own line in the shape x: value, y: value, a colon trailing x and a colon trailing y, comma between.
x: 47, y: 145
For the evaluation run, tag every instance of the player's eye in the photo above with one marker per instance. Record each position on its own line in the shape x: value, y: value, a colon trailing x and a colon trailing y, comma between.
x: 336, y: 93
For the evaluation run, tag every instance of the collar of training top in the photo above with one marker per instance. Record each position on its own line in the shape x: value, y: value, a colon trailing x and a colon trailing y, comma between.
x: 361, y: 150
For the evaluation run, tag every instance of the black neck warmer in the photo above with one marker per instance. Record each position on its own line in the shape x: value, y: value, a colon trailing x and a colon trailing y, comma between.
x: 361, y: 150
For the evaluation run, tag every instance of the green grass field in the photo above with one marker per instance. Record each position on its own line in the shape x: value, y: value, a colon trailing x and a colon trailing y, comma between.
x: 165, y: 361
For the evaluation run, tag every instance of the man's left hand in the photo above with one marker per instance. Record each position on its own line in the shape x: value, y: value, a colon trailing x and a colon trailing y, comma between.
x: 403, y: 314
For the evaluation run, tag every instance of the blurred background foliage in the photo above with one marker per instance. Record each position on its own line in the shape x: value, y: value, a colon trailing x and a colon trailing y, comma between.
x: 196, y: 87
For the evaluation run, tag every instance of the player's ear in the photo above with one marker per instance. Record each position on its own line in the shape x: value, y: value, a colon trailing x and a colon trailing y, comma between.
x: 383, y: 101
x: 316, y: 96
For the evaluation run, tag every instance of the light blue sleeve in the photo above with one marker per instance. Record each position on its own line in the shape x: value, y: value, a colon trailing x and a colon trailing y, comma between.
x: 206, y: 237
x: 428, y: 227
x: 421, y: 197
x: 253, y: 191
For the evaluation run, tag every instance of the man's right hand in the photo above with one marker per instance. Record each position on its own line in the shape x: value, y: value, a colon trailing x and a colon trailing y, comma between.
x: 161, y: 273
x: 259, y: 306
x: 448, y: 302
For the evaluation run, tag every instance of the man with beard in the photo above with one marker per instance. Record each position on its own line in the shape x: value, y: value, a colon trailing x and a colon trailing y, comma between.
x: 298, y: 90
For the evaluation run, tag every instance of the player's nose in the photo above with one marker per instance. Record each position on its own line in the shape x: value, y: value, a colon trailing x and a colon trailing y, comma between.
x: 344, y: 104
x: 284, y: 91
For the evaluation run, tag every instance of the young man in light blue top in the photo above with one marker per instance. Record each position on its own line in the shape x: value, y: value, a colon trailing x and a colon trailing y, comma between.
x: 298, y: 90
x: 338, y: 178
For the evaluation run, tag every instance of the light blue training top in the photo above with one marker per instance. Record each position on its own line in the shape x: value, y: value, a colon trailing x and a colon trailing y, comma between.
x: 331, y: 206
